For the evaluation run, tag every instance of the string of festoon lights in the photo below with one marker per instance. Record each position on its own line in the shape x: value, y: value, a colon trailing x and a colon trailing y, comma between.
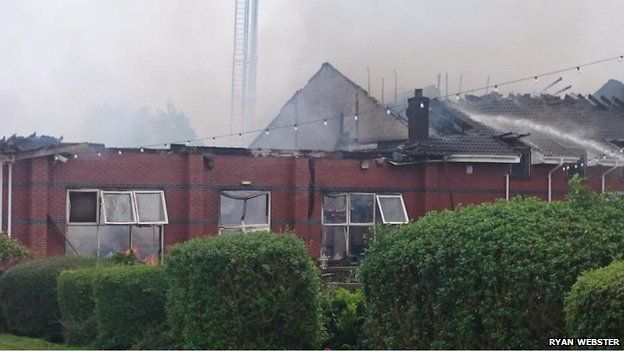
x: 325, y: 121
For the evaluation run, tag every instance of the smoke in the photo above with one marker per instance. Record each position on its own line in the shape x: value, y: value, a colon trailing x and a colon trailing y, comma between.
x: 520, y: 125
x: 124, y: 125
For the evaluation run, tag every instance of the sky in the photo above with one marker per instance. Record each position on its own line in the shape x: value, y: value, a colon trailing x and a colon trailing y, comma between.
x: 92, y: 70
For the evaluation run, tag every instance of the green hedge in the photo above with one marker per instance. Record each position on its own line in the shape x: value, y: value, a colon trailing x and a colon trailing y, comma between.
x: 129, y: 302
x: 343, y: 317
x: 75, y: 296
x: 594, y: 307
x: 244, y: 291
x: 486, y: 276
x: 28, y: 295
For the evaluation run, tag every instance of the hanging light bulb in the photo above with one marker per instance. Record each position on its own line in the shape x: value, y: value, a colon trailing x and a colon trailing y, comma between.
x: 240, y: 135
x: 295, y: 127
x: 266, y: 131
x: 578, y: 69
x: 99, y: 154
x: 535, y: 79
x: 188, y: 142
x: 75, y: 156
x: 620, y: 58
x: 388, y: 111
x: 457, y: 97
x: 142, y: 149
x: 119, y: 152
x: 355, y: 117
x: 422, y: 105
x: 496, y: 88
x: 324, y: 122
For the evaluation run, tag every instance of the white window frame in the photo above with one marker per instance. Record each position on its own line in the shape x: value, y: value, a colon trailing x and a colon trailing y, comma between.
x: 247, y: 228
x: 97, y: 206
x: 138, y: 213
x: 132, y: 206
x: 381, y: 211
x: 348, y: 222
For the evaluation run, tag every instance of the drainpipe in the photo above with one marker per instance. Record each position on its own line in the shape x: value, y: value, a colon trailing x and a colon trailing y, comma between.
x: 10, y: 199
x: 550, y: 179
x: 1, y: 192
x: 603, y: 176
x: 507, y: 186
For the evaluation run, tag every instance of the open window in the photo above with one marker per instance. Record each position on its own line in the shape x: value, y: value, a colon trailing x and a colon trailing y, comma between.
x: 151, y: 207
x: 117, y: 207
x: 392, y: 209
x: 101, y: 223
x: 82, y: 206
x: 244, y: 211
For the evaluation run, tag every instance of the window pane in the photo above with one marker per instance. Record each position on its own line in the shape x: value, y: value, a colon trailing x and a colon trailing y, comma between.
x: 257, y: 210
x: 362, y: 208
x: 334, y: 244
x: 83, y: 239
x: 335, y: 208
x: 83, y: 206
x: 114, y: 239
x: 358, y: 239
x: 231, y: 212
x: 150, y: 207
x: 118, y: 208
x: 392, y: 209
x: 146, y: 241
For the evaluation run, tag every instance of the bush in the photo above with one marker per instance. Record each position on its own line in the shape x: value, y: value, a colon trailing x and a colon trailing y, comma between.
x: 486, y: 276
x: 594, y: 307
x: 129, y: 302
x: 75, y: 296
x: 28, y: 296
x: 12, y: 253
x: 343, y: 318
x: 244, y: 291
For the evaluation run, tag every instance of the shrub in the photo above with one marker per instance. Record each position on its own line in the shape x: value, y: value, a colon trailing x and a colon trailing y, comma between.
x: 594, y: 307
x: 343, y: 318
x: 75, y: 296
x: 129, y: 302
x: 11, y: 253
x: 244, y: 291
x: 486, y: 276
x: 28, y: 296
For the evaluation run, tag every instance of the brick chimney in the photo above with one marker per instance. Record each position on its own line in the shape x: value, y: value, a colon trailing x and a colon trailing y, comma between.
x: 418, y: 118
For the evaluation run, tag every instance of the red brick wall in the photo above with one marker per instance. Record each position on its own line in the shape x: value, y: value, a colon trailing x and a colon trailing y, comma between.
x: 192, y: 184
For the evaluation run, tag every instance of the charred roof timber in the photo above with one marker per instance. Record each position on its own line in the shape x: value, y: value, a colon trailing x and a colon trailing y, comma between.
x: 418, y: 118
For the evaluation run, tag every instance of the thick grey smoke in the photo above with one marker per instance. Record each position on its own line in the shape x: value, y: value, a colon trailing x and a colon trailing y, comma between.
x: 60, y: 59
x: 124, y: 125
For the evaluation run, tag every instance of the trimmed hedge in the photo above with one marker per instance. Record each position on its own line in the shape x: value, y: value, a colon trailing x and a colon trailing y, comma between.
x: 75, y: 296
x: 28, y: 295
x: 343, y: 317
x: 489, y: 276
x: 129, y: 302
x: 244, y: 291
x: 594, y: 307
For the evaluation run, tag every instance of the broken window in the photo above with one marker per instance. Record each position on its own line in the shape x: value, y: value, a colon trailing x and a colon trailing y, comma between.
x: 117, y: 207
x: 119, y: 220
x: 335, y: 209
x: 346, y: 220
x: 82, y: 206
x: 151, y: 207
x: 522, y: 169
x: 243, y: 211
x: 392, y: 209
x: 334, y: 242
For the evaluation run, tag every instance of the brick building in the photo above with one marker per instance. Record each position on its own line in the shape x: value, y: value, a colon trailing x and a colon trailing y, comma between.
x: 60, y: 198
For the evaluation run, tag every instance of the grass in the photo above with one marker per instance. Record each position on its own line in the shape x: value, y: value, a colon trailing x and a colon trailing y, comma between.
x: 13, y: 342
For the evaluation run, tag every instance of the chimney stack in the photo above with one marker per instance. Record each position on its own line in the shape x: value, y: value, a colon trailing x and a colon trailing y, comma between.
x: 418, y: 118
